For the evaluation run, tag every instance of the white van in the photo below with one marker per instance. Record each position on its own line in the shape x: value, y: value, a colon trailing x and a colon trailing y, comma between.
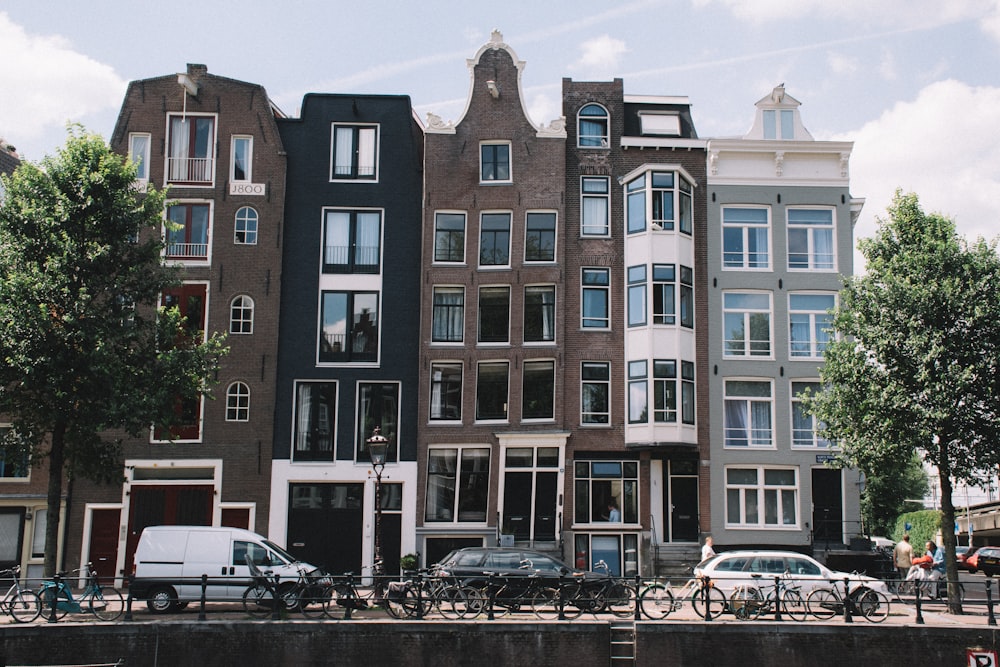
x: 170, y: 560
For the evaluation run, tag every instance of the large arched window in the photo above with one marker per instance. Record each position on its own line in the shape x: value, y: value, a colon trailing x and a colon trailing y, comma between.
x: 592, y: 127
x: 241, y: 315
x: 246, y: 226
x: 238, y: 402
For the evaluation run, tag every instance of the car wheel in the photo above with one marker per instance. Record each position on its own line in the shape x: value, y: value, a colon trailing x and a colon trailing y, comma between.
x: 162, y: 600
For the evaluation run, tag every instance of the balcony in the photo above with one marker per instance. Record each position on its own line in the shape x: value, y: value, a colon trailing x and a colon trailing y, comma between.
x: 187, y: 250
x: 190, y: 170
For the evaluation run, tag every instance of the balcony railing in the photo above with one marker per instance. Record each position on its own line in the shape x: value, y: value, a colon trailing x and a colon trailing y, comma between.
x: 190, y: 169
x: 187, y: 250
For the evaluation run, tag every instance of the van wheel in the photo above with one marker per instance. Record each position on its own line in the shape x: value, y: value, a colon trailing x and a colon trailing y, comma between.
x: 162, y: 600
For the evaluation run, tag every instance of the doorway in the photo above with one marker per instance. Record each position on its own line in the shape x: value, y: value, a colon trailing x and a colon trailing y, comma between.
x: 680, y: 500
x: 828, y: 503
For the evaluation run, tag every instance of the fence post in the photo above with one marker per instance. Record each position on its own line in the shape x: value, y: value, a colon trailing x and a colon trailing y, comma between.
x: 350, y: 597
x: 128, y: 600
x: 848, y: 602
x: 56, y: 580
x: 420, y: 596
x: 991, y: 619
x: 201, y: 606
x: 277, y: 604
x: 490, y: 597
x: 638, y: 584
x: 917, y: 587
x: 706, y: 599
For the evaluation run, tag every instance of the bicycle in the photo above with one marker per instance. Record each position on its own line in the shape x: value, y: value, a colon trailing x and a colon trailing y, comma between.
x: 435, y: 590
x: 658, y: 600
x: 598, y: 595
x: 21, y: 603
x: 826, y: 602
x: 56, y: 597
x: 909, y: 585
x: 749, y: 602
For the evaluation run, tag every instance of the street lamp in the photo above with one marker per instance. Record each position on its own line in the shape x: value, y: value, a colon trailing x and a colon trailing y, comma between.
x: 378, y: 445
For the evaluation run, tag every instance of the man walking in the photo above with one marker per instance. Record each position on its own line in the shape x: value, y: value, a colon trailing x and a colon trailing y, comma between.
x: 902, y: 556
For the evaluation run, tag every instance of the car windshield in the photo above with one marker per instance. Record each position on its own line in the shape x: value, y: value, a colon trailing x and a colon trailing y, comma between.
x: 284, y: 555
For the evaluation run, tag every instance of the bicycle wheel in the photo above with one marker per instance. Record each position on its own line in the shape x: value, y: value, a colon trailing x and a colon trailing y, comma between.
x: 574, y: 602
x: 258, y: 601
x: 451, y: 601
x: 545, y: 602
x: 620, y: 599
x: 47, y: 596
x: 315, y: 601
x: 746, y: 603
x: 794, y: 605
x: 717, y: 602
x: 403, y: 603
x: 25, y: 606
x: 873, y: 605
x: 906, y: 587
x: 656, y: 601
x: 106, y: 604
x: 472, y: 602
x: 823, y: 603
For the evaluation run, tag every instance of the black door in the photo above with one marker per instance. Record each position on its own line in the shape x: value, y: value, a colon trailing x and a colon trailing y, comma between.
x: 828, y: 501
x: 684, y: 509
x: 325, y: 524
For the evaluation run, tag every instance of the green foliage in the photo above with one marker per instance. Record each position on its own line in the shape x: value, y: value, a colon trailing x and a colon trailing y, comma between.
x: 886, y: 490
x: 85, y: 350
x: 925, y: 525
x: 409, y: 562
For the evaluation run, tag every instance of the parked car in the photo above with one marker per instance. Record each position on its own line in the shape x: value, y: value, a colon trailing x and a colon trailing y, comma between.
x: 882, y: 543
x: 985, y: 560
x: 472, y: 566
x: 735, y: 568
x: 962, y: 555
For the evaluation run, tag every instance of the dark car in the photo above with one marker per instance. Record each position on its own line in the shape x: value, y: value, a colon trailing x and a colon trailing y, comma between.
x: 985, y: 560
x: 473, y: 565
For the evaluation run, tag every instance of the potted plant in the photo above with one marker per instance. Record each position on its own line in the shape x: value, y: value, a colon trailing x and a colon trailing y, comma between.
x: 409, y: 562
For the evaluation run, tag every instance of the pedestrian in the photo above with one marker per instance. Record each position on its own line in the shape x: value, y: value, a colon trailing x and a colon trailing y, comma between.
x: 614, y: 515
x: 708, y: 550
x: 902, y: 556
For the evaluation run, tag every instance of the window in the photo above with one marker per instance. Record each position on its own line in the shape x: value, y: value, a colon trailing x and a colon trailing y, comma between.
x: 448, y: 324
x: 748, y: 414
x: 664, y: 299
x: 187, y: 233
x: 637, y: 295
x: 595, y: 392
x: 449, y: 237
x: 747, y: 488
x: 351, y: 242
x: 747, y: 321
x: 666, y: 196
x: 592, y: 122
x: 538, y: 390
x: 238, y: 403
x: 596, y: 293
x: 378, y: 405
x: 349, y: 326
x: 191, y: 150
x: 491, y: 391
x: 638, y: 399
x: 191, y: 301
x: 810, y: 239
x: 540, y: 314
x: 241, y: 315
x: 779, y: 124
x: 599, y: 484
x: 594, y: 206
x: 662, y: 124
x: 138, y: 152
x: 530, y: 491
x: 687, y: 392
x: 540, y: 238
x: 687, y: 297
x: 804, y: 425
x: 446, y: 391
x: 745, y: 234
x: 246, y: 226
x: 355, y: 152
x: 458, y: 484
x: 494, y: 314
x: 495, y: 163
x: 809, y: 322
x: 664, y: 391
x: 242, y: 152
x: 494, y: 239
x: 315, y: 420
x: 12, y: 466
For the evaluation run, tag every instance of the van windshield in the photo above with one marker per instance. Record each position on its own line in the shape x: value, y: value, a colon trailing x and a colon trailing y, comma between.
x: 287, y: 557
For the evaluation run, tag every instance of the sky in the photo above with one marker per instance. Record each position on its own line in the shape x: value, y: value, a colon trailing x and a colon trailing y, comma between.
x: 915, y: 84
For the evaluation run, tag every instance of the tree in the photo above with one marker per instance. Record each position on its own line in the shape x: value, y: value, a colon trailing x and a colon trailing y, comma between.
x: 916, y: 363
x: 87, y: 356
x: 886, y: 491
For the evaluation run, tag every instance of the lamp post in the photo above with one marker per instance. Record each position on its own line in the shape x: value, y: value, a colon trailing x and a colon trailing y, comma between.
x: 378, y: 445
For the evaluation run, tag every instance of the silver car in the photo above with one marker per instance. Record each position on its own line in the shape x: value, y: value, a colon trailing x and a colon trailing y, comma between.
x: 730, y: 569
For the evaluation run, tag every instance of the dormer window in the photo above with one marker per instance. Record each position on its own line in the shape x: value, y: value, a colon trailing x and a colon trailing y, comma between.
x: 662, y: 124
x: 592, y: 124
x: 779, y: 124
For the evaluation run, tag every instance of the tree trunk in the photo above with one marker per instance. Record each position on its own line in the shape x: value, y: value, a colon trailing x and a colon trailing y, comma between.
x: 948, y: 538
x: 57, y: 458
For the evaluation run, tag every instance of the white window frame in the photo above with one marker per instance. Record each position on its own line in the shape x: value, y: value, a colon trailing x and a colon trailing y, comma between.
x: 745, y: 227
x: 498, y: 420
x: 245, y: 221
x: 465, y: 237
x: 816, y: 319
x: 434, y: 394
x: 181, y: 258
x: 510, y: 164
x: 238, y: 402
x: 298, y: 435
x: 356, y: 148
x: 142, y: 159
x: 604, y: 139
x: 479, y: 310
x: 249, y: 157
x: 755, y: 435
x: 587, y: 227
x: 799, y: 441
x: 606, y: 383
x: 638, y: 391
x: 442, y: 289
x: 241, y: 315
x: 555, y: 235
x: 605, y: 289
x: 550, y: 364
x: 812, y: 256
x: 761, y: 490
x: 510, y: 237
x: 731, y: 310
x: 550, y: 313
x: 456, y: 480
x: 210, y: 159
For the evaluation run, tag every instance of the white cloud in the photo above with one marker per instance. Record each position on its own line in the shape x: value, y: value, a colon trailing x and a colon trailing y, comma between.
x: 943, y: 146
x: 841, y: 64
x: 543, y: 108
x: 601, y: 56
x: 48, y: 83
